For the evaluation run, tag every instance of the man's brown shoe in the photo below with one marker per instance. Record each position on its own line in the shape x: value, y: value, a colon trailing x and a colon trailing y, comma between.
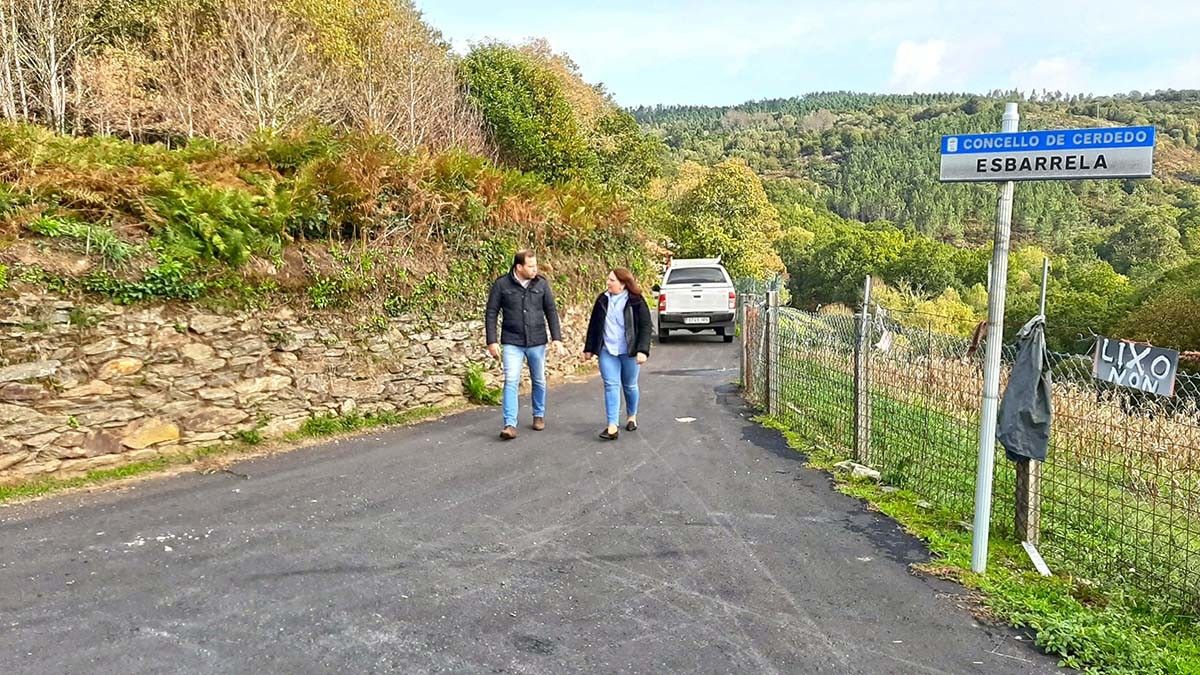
x: 508, y: 434
x: 539, y: 423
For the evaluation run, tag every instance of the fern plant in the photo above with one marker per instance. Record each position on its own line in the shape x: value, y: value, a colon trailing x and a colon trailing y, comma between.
x: 477, y: 388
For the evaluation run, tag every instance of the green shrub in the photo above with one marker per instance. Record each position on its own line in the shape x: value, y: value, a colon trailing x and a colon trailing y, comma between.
x: 166, y: 281
x: 88, y: 238
x: 249, y: 436
x: 211, y: 223
x: 477, y: 388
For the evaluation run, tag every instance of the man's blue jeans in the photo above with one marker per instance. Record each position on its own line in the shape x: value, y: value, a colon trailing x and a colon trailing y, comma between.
x: 514, y: 358
x: 619, y: 372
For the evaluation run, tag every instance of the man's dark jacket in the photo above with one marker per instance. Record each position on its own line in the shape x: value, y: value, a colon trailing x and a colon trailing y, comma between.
x: 637, y: 326
x: 524, y: 310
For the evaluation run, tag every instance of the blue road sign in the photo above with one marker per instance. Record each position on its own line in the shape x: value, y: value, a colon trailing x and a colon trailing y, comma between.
x: 1064, y: 154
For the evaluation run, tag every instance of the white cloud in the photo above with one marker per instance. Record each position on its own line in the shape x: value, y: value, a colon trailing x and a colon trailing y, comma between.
x: 1054, y: 74
x: 919, y: 66
x: 1183, y: 73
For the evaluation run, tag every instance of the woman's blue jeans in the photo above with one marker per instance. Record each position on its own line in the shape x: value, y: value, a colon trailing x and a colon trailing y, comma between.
x: 619, y: 373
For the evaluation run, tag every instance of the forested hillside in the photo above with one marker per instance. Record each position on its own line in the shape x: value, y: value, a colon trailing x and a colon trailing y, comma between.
x: 858, y: 174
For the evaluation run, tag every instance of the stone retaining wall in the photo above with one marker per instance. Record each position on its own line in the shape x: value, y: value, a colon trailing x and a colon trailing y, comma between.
x: 85, y: 388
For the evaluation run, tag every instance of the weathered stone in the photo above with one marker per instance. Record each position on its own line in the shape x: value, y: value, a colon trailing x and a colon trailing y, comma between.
x: 11, y: 460
x: 864, y: 472
x: 42, y: 440
x: 189, y: 384
x: 171, y: 371
x: 348, y: 406
x: 168, y: 339
x: 208, y: 437
x: 263, y: 384
x: 453, y: 387
x: 100, y: 462
x: 214, y: 419
x: 150, y: 316
x: 17, y: 391
x: 149, y: 453
x: 101, y: 443
x: 434, y: 399
x: 253, y: 345
x: 181, y: 408
x: 93, y: 389
x: 19, y: 421
x: 109, y: 414
x: 216, y: 394
x: 104, y: 346
x: 9, y: 446
x: 284, y: 358
x: 197, y: 351
x: 62, y: 353
x: 22, y: 372
x: 151, y: 403
x: 280, y: 427
x: 243, y: 361
x: 342, y: 388
x: 205, y: 324
x: 71, y: 439
x: 39, y: 465
x: 60, y: 452
x: 147, y: 432
x: 119, y: 368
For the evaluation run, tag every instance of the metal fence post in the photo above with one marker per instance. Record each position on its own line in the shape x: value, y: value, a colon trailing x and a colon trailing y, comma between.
x: 743, y: 341
x: 772, y: 352
x: 862, y: 381
x: 1028, y: 512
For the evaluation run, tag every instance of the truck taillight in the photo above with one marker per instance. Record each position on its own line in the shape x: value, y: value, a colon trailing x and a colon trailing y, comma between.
x: 662, y: 302
x: 732, y: 300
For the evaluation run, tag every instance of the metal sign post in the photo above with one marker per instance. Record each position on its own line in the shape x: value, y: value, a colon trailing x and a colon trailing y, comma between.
x: 991, y: 361
x: 1045, y: 280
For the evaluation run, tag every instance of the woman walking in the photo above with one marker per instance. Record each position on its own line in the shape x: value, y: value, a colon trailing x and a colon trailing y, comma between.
x: 619, y: 333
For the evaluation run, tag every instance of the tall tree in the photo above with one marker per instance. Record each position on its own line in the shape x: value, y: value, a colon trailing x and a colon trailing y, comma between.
x: 727, y: 214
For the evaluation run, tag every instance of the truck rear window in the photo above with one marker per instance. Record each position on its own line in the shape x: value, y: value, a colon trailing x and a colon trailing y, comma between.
x: 696, y: 275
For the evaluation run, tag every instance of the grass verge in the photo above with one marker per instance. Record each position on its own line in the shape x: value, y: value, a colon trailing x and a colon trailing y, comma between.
x: 1089, y: 629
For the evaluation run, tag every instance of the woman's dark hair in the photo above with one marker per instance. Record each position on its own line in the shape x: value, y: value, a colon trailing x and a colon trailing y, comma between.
x: 626, y: 277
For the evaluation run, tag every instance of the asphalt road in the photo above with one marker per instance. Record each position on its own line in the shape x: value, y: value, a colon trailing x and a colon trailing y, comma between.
x: 687, y: 547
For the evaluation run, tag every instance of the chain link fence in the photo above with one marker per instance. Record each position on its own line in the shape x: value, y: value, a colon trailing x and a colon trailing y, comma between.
x: 1118, y: 497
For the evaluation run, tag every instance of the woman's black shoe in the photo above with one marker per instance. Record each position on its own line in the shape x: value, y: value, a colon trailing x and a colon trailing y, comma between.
x: 632, y: 426
x: 607, y: 436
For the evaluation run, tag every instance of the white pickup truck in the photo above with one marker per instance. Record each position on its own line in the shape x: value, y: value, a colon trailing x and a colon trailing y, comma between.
x: 696, y: 294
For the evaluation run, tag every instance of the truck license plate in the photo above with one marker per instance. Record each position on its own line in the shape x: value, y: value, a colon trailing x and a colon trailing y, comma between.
x: 695, y: 319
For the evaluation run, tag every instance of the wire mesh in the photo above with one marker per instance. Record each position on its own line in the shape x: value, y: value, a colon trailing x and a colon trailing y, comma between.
x: 1119, y: 490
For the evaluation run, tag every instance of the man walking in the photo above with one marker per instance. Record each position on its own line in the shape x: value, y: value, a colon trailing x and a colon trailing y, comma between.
x: 523, y: 301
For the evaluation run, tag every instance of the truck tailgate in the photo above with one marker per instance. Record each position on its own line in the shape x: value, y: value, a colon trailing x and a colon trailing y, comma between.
x: 698, y: 298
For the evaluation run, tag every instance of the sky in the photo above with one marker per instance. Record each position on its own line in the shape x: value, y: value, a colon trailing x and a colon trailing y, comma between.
x: 720, y: 53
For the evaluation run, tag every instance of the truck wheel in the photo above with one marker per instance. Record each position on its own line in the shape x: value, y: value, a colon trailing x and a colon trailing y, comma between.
x: 664, y: 335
